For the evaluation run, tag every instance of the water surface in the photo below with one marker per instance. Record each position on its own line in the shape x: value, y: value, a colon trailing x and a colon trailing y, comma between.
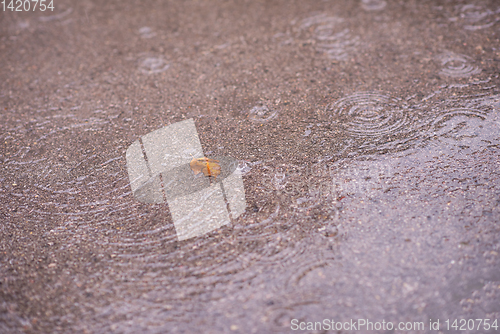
x: 367, y: 134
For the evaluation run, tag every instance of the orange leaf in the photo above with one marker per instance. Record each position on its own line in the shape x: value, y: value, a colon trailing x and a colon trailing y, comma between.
x: 209, y: 167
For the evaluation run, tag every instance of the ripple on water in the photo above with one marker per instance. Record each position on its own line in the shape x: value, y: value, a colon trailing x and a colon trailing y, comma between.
x: 373, y: 4
x: 55, y: 17
x: 146, y: 32
x: 457, y: 66
x: 75, y: 189
x: 261, y: 114
x: 278, y: 250
x: 152, y: 65
x: 219, y: 257
x: 86, y: 194
x: 312, y: 199
x: 377, y: 122
x: 263, y: 239
x: 369, y: 114
x: 317, y: 255
x: 476, y: 17
x: 421, y: 121
x: 453, y: 123
x: 456, y: 135
x: 330, y: 37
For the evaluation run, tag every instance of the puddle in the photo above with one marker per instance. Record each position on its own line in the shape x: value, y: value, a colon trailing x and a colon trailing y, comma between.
x: 369, y: 189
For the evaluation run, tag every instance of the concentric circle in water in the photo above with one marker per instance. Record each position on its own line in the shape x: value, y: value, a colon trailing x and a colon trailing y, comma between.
x: 457, y: 66
x: 331, y: 38
x: 153, y: 65
x: 373, y: 4
x: 452, y: 122
x: 476, y: 17
x: 368, y: 114
x: 262, y: 114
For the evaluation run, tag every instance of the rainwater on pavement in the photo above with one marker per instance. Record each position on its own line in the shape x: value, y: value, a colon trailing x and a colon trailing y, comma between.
x: 366, y: 135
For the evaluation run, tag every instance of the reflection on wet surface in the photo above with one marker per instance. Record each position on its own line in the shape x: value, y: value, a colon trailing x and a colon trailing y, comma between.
x: 362, y: 137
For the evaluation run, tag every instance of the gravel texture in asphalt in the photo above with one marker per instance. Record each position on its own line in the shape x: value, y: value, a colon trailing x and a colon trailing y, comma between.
x: 366, y: 135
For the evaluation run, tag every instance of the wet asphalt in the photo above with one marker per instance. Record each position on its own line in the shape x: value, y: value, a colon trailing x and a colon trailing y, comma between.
x: 367, y: 133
